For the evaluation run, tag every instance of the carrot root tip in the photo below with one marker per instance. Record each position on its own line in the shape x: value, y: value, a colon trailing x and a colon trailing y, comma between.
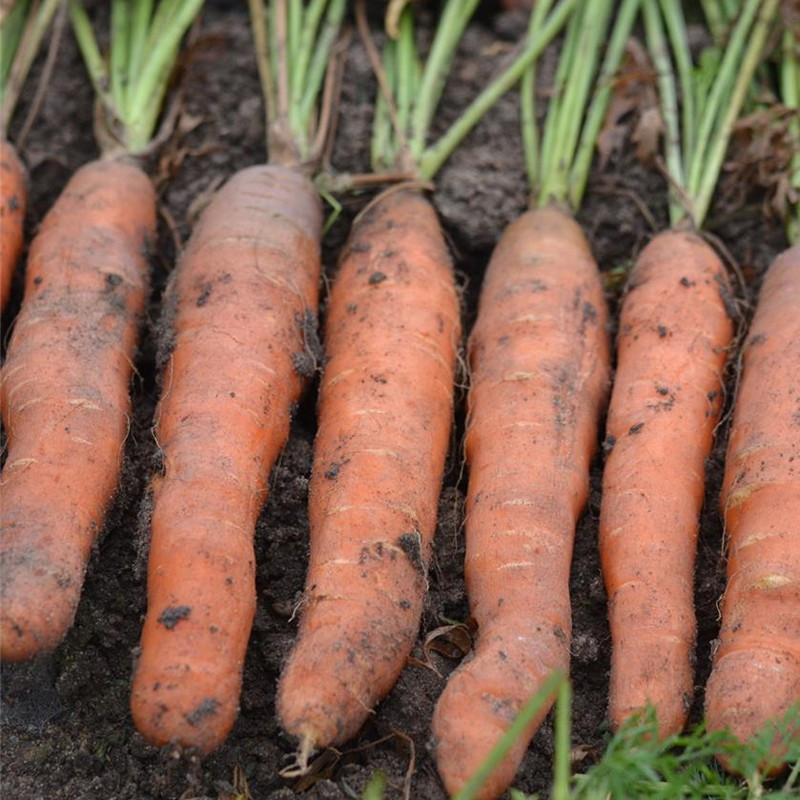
x: 299, y: 766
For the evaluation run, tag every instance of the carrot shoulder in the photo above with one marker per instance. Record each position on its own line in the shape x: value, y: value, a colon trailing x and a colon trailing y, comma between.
x: 756, y: 675
x: 12, y: 215
x: 674, y: 332
x: 240, y: 297
x: 65, y: 396
x: 539, y: 357
x: 385, y: 414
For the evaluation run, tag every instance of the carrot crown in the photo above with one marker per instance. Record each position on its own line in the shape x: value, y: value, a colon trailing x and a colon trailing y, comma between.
x: 412, y: 87
x: 295, y: 47
x: 696, y: 136
x: 558, y: 161
x: 132, y: 82
x: 22, y: 28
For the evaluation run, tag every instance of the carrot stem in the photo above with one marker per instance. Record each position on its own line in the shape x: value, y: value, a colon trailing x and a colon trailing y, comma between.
x: 120, y: 51
x: 141, y: 15
x: 708, y: 171
x: 530, y: 136
x: 449, y: 31
x: 435, y: 155
x: 623, y: 24
x: 659, y: 51
x: 790, y: 93
x: 19, y: 47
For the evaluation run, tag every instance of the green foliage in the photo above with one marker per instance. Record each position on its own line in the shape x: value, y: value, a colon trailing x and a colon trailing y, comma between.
x: 132, y: 81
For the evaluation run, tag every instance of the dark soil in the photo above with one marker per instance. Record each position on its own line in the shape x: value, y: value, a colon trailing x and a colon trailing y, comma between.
x: 67, y: 731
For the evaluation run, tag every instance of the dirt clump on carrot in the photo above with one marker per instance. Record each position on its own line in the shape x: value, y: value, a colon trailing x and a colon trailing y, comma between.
x: 756, y: 674
x: 385, y: 412
x: 539, y: 358
x: 65, y: 396
x: 241, y: 291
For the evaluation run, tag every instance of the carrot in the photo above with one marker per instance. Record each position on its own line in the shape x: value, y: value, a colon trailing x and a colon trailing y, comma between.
x: 384, y: 419
x: 241, y: 293
x: 674, y: 335
x: 539, y: 357
x: 756, y: 675
x: 540, y: 368
x: 65, y: 396
x: 385, y: 411
x: 66, y: 377
x: 674, y: 332
x: 22, y: 29
x: 12, y: 215
x: 239, y: 306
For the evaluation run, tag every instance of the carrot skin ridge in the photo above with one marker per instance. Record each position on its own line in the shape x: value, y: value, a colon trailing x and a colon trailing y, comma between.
x: 385, y: 414
x: 240, y: 294
x: 539, y: 355
x: 756, y: 671
x: 65, y: 396
x: 674, y: 334
x: 12, y: 215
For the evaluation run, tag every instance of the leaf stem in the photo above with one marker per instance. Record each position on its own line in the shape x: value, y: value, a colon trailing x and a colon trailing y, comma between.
x: 435, y: 155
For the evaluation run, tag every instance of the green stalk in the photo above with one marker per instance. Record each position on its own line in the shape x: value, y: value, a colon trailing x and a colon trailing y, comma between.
x: 533, y: 707
x: 449, y: 31
x: 311, y: 22
x: 563, y: 742
x: 549, y: 138
x: 530, y: 138
x: 433, y: 158
x: 10, y: 36
x: 715, y: 19
x: 22, y: 53
x: 719, y: 142
x: 790, y: 93
x: 120, y: 51
x: 679, y: 40
x: 407, y: 66
x: 382, y: 142
x: 147, y: 93
x: 725, y: 76
x: 95, y: 64
x: 626, y: 16
x: 319, y: 64
x: 140, y: 24
x: 657, y: 44
x: 555, y: 180
x: 294, y: 28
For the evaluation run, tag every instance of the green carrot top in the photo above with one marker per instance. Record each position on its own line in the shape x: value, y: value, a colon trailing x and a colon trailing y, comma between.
x: 132, y: 82
x: 411, y: 87
x: 711, y: 92
x: 22, y: 28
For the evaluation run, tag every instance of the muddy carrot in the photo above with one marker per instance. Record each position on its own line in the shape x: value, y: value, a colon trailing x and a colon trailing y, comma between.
x: 12, y: 215
x: 540, y: 368
x: 22, y: 30
x: 756, y: 675
x: 242, y: 302
x: 66, y: 378
x: 385, y: 414
x: 673, y: 339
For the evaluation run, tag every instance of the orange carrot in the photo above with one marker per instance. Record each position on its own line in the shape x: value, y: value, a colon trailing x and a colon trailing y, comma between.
x: 539, y: 355
x: 674, y: 332
x: 756, y: 675
x: 242, y: 294
x: 385, y: 413
x: 12, y: 215
x: 65, y: 396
